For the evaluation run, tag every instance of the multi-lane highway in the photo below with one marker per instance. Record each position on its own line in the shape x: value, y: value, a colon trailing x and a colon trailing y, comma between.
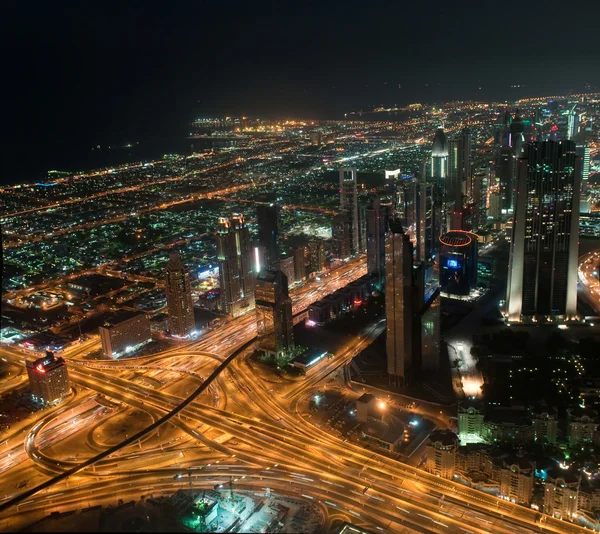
x: 589, y: 266
x: 250, y: 430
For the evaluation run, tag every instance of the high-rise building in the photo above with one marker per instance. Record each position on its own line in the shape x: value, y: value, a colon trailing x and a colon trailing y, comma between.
x: 505, y: 170
x: 438, y: 177
x: 439, y: 156
x: 124, y: 333
x: 179, y: 297
x: 464, y: 163
x: 316, y: 256
x: 48, y: 378
x: 375, y: 239
x: 430, y: 334
x: 340, y: 235
x: 399, y: 304
x: 236, y: 274
x: 274, y: 321
x: 458, y: 262
x: 428, y: 221
x: 268, y: 236
x: 583, y: 151
x: 543, y: 258
x: 517, y: 139
x: 349, y: 205
x: 300, y: 263
x: 287, y: 267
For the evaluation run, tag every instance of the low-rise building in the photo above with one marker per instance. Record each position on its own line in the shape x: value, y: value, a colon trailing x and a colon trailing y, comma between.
x: 560, y: 493
x: 517, y: 479
x: 582, y: 425
x: 545, y: 424
x: 124, y: 333
x: 470, y: 422
x: 441, y: 447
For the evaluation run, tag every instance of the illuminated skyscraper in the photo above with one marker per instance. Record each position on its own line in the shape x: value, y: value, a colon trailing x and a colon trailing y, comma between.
x: 398, y: 304
x: 300, y: 263
x: 179, y: 297
x: 274, y: 321
x: 439, y: 156
x: 543, y: 259
x: 376, y: 221
x: 340, y: 235
x: 349, y: 205
x: 316, y: 256
x: 268, y: 236
x: 235, y: 265
x: 583, y: 151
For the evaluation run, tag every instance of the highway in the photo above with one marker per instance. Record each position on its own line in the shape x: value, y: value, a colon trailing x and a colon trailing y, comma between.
x: 589, y: 265
x: 249, y: 429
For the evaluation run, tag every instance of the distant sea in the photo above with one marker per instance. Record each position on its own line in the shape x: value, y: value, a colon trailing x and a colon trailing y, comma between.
x: 78, y: 158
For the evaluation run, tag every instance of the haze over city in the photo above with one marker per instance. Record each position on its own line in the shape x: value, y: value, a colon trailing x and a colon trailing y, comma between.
x: 296, y: 268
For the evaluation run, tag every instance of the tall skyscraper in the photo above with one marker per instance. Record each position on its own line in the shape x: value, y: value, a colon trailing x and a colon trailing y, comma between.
x: 398, y: 304
x: 376, y: 239
x: 179, y: 297
x: 439, y: 156
x: 340, y: 235
x: 428, y: 222
x: 583, y: 151
x: 236, y: 274
x: 349, y: 205
x: 505, y: 170
x: 300, y: 263
x: 267, y: 215
x: 438, y: 177
x: 274, y: 321
x: 543, y: 259
x: 464, y: 163
x: 316, y: 256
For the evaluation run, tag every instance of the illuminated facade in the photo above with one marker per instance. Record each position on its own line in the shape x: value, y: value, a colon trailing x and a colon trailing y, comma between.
x: 179, y: 297
x: 236, y: 274
x: 376, y: 221
x: 542, y: 281
x: 274, y: 321
x: 398, y: 304
x: 268, y: 234
x: 440, y: 450
x: 340, y: 235
x: 48, y: 378
x: 124, y: 333
x: 458, y: 262
x: 349, y: 205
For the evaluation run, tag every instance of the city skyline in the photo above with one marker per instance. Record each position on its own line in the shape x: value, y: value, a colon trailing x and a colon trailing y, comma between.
x: 340, y: 275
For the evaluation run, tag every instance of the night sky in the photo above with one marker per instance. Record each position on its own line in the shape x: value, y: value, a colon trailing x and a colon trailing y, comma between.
x: 88, y: 73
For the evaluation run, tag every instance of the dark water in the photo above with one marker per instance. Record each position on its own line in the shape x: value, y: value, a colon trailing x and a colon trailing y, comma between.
x: 85, y: 158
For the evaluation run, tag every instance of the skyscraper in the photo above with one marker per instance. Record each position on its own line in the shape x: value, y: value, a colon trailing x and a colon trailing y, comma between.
x: 274, y: 321
x: 583, y: 151
x: 543, y: 259
x: 340, y: 235
x: 438, y: 177
x: 376, y: 239
x: 316, y: 257
x: 349, y: 205
x: 300, y: 263
x: 268, y: 236
x: 439, y: 156
x: 464, y: 163
x: 398, y: 304
x: 235, y: 265
x: 179, y: 297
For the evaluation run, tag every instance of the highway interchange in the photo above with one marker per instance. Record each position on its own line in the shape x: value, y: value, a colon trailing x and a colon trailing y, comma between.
x: 238, y: 428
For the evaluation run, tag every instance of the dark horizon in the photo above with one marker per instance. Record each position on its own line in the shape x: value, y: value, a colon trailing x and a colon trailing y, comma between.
x: 119, y: 74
